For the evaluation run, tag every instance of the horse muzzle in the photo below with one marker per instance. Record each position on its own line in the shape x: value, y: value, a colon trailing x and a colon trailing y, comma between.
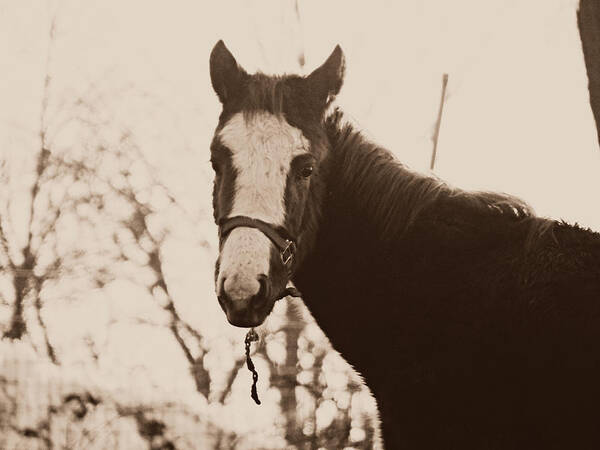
x: 246, y: 302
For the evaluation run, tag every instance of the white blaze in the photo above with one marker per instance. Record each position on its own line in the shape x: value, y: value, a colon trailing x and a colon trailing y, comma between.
x: 262, y: 149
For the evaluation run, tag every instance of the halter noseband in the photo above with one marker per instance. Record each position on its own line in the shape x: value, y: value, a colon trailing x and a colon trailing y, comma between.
x: 278, y: 235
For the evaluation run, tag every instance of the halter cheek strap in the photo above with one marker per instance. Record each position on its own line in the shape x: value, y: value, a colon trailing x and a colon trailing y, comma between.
x: 285, y: 244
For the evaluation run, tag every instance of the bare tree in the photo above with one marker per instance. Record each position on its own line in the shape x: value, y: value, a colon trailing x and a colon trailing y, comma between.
x: 20, y: 263
x: 32, y: 263
x: 149, y: 243
x: 588, y: 20
x: 139, y: 236
x: 285, y: 376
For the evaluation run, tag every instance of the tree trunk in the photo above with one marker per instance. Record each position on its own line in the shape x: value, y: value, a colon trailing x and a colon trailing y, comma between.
x: 21, y: 285
x: 588, y: 20
x: 287, y: 378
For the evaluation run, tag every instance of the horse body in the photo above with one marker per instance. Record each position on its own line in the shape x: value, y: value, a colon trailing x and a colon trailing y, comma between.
x: 471, y: 331
x: 474, y: 322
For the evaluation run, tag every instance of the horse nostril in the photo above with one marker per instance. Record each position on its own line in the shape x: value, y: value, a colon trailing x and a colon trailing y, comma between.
x: 222, y: 296
x: 262, y: 292
x: 261, y: 297
x: 224, y: 300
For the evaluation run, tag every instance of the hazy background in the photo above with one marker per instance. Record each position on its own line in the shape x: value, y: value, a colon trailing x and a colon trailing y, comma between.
x: 112, y: 335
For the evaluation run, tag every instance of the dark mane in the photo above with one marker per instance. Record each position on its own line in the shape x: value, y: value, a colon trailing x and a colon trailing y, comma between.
x: 397, y: 197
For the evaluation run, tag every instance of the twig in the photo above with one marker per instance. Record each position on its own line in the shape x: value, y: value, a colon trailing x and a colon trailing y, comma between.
x: 436, y: 134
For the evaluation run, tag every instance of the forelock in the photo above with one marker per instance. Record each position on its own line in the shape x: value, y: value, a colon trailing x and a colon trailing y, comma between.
x: 266, y: 94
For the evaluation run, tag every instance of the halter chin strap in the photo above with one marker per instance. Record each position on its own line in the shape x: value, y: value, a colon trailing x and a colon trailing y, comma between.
x: 285, y: 244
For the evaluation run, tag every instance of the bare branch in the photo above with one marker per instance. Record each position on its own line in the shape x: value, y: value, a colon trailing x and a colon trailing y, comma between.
x: 438, y: 122
x: 38, y: 311
x: 4, y: 245
x: 239, y: 363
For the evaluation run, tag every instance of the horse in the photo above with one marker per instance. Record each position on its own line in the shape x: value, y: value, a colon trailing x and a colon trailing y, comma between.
x: 474, y: 322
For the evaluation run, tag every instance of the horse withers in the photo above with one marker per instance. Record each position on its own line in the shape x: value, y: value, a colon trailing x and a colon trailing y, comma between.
x: 474, y: 322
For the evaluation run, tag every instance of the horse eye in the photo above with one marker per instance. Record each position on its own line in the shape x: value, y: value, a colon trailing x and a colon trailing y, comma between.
x: 306, y: 171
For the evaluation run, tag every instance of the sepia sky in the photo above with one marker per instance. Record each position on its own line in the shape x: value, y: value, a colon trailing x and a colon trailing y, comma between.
x: 517, y: 116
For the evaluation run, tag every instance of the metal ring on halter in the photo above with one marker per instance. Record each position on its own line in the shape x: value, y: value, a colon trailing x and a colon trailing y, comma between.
x: 288, y: 253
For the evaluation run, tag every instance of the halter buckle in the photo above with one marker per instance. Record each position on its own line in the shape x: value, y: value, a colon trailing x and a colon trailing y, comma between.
x: 287, y: 253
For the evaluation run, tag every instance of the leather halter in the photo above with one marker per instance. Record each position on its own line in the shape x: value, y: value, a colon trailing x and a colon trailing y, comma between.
x: 278, y: 235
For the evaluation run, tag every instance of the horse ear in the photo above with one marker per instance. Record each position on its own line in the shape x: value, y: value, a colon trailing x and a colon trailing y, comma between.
x: 326, y: 81
x: 226, y: 75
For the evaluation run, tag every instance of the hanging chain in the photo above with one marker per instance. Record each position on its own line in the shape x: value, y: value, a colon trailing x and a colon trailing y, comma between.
x: 252, y: 336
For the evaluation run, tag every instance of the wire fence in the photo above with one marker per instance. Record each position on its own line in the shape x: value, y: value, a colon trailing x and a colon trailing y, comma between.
x: 43, y: 406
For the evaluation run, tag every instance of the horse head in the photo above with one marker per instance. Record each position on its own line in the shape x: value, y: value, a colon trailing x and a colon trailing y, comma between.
x: 268, y: 155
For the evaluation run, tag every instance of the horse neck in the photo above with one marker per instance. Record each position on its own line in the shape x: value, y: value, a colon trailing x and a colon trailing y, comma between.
x: 356, y: 234
x: 344, y: 278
